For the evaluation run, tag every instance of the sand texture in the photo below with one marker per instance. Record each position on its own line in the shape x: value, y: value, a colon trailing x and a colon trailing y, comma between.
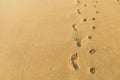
x: 59, y: 40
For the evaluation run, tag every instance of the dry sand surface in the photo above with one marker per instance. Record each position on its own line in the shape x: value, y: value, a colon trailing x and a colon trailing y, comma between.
x: 59, y: 40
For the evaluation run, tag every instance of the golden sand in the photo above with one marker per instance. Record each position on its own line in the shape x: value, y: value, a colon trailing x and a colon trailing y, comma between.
x: 59, y: 40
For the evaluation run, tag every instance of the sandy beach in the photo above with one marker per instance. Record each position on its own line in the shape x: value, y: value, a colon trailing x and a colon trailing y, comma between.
x: 59, y: 39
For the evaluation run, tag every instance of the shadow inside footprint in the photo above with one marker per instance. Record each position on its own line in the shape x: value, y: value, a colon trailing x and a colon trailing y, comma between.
x: 92, y: 70
x: 78, y: 11
x: 93, y: 27
x: 78, y: 42
x: 75, y: 66
x: 84, y: 20
x: 78, y: 1
x: 92, y: 51
x: 74, y: 57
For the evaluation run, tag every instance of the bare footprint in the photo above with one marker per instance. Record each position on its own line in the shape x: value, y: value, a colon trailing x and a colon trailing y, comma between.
x: 89, y: 37
x: 78, y: 1
x: 75, y: 66
x: 93, y: 19
x: 74, y: 27
x: 84, y: 19
x: 92, y: 51
x: 78, y: 11
x: 85, y: 5
x: 74, y: 58
x: 97, y: 12
x: 95, y: 6
x: 92, y: 70
x: 78, y: 42
x: 93, y: 27
x: 96, y: 1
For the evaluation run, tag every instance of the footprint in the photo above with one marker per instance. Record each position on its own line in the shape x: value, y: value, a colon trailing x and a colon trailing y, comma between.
x: 92, y: 70
x: 74, y: 58
x: 92, y: 51
x: 93, y: 27
x: 74, y: 27
x: 95, y: 6
x: 85, y: 5
x: 78, y: 11
x: 75, y: 66
x: 78, y: 1
x: 78, y: 42
x: 96, y: 1
x: 93, y: 19
x: 89, y: 37
x: 97, y: 12
x: 84, y: 19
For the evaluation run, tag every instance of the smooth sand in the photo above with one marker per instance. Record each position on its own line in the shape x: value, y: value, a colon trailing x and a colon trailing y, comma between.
x: 59, y: 40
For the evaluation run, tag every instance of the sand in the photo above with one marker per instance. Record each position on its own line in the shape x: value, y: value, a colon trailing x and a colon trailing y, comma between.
x: 59, y: 40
